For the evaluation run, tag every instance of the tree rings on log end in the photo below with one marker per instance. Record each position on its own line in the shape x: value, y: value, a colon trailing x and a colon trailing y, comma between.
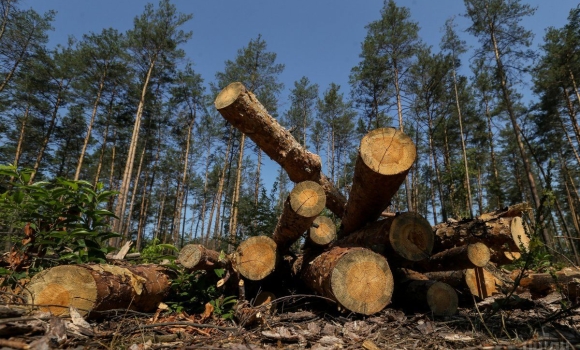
x: 411, y: 236
x: 442, y: 299
x: 519, y: 234
x: 255, y: 257
x: 229, y: 94
x: 307, y: 199
x: 61, y: 287
x: 323, y: 232
x: 478, y: 253
x: 362, y: 281
x: 190, y: 255
x: 388, y: 151
x: 481, y: 282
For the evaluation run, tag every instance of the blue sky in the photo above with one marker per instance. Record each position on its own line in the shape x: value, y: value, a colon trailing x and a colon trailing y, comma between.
x: 319, y: 39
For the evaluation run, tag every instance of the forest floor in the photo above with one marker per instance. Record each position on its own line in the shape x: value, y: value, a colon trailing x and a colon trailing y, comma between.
x: 310, y: 323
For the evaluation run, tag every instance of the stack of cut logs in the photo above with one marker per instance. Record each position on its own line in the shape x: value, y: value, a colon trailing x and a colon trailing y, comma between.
x: 374, y: 258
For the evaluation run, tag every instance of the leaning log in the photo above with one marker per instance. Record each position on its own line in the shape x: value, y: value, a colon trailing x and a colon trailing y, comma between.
x: 255, y: 258
x: 322, y: 231
x: 242, y: 109
x: 458, y: 258
x: 357, y: 278
x: 565, y: 281
x: 304, y: 203
x: 478, y: 282
x: 385, y: 157
x: 93, y: 288
x: 197, y: 257
x: 408, y: 235
x: 501, y: 234
x: 416, y: 292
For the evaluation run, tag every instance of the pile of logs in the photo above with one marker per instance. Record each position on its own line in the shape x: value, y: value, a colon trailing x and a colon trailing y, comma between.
x: 365, y: 264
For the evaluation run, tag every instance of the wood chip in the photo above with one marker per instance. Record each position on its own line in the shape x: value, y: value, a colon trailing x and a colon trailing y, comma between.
x: 456, y: 337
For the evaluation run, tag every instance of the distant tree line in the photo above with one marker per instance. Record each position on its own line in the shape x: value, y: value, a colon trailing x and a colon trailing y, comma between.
x: 128, y: 110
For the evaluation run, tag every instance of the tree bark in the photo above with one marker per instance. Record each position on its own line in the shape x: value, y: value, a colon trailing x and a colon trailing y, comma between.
x: 407, y: 235
x: 302, y: 207
x: 458, y: 258
x: 478, y: 282
x: 236, y: 195
x: 384, y: 159
x: 542, y: 284
x: 242, y: 109
x: 357, y: 278
x: 93, y: 288
x: 418, y: 293
x: 196, y: 257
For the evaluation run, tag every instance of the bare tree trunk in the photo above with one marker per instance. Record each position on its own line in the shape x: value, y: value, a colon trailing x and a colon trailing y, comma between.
x: 160, y: 215
x: 572, y: 114
x: 21, y: 55
x: 257, y: 183
x: 573, y: 80
x: 48, y: 134
x: 105, y: 136
x: 437, y: 174
x: 180, y: 194
x: 492, y: 152
x: 465, y: 165
x: 570, y: 142
x: 237, y: 187
x: 447, y: 162
x: 90, y: 127
x: 204, y: 200
x: 21, y: 136
x: 517, y: 131
x: 400, y: 114
x: 134, y: 192
x: 124, y: 190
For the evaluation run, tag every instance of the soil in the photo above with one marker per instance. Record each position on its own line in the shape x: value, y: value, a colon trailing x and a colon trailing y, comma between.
x: 307, y: 322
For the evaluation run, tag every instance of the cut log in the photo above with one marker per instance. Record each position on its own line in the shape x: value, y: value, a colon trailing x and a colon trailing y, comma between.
x: 501, y: 234
x: 384, y: 159
x: 478, y: 282
x: 92, y: 288
x: 357, y: 278
x: 196, y: 257
x: 242, y: 109
x: 516, y: 210
x: 323, y: 231
x: 565, y: 281
x: 458, y: 258
x: 304, y: 203
x: 255, y: 258
x: 416, y: 292
x: 505, y: 257
x: 408, y: 235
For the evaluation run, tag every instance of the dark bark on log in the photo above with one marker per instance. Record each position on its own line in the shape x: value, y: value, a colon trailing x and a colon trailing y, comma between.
x: 384, y: 159
x: 458, y: 258
x: 565, y: 281
x: 304, y: 203
x: 357, y: 278
x: 91, y: 288
x: 243, y: 110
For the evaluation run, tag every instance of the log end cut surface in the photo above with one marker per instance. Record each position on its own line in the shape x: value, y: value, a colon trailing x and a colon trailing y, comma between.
x: 61, y: 287
x: 362, y: 281
x: 481, y: 282
x: 324, y: 233
x: 519, y: 234
x: 228, y: 95
x: 388, y: 151
x: 478, y: 254
x: 442, y: 299
x: 256, y: 257
x: 411, y: 236
x: 307, y: 199
x: 190, y: 255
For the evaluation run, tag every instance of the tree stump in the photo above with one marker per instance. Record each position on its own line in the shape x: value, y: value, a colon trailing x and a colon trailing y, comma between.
x: 323, y: 231
x: 357, y: 278
x: 408, y: 235
x: 242, y: 109
x: 92, y: 288
x: 304, y: 203
x: 384, y: 159
x: 255, y: 258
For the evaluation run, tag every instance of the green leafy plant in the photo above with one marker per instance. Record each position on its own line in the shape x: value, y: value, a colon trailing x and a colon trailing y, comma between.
x: 155, y: 252
x: 63, y: 219
x: 224, y: 306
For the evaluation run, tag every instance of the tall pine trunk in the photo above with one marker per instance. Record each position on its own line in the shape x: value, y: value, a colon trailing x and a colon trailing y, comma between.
x: 124, y: 190
x: 180, y: 192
